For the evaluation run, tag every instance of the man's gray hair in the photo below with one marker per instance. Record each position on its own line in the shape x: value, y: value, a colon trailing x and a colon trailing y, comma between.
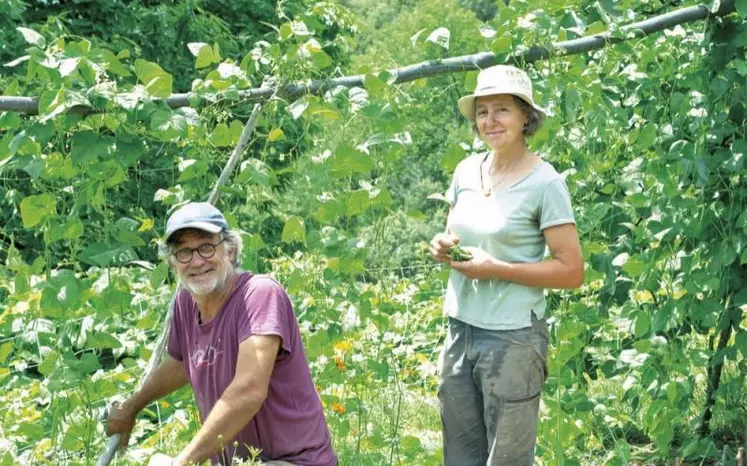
x: 232, y: 240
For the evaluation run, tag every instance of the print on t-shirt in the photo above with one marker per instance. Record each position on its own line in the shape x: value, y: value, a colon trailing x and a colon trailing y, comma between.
x: 205, y: 357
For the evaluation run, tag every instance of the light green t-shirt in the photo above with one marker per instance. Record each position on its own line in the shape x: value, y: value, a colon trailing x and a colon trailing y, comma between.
x: 507, y: 225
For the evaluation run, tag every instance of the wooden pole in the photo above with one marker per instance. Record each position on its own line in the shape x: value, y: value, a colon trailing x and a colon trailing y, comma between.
x: 437, y: 67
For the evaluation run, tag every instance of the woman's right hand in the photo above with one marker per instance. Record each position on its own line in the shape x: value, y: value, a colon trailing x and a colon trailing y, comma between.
x: 440, y: 245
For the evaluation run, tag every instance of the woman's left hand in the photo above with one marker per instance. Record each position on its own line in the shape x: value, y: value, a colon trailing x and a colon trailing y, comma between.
x: 482, y: 264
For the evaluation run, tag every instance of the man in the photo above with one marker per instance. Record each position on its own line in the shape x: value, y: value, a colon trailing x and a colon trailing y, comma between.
x: 235, y: 339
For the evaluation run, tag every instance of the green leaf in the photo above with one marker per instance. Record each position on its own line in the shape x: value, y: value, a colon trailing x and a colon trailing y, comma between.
x: 128, y: 152
x: 254, y: 242
x: 69, y: 65
x: 236, y: 128
x: 738, y: 154
x: 5, y: 350
x: 191, y: 169
x: 171, y: 124
x: 502, y: 44
x: 221, y: 136
x: 60, y: 294
x: 49, y: 363
x: 380, y: 368
x: 17, y: 142
x: 129, y: 238
x: 157, y: 82
x: 294, y: 230
x: 159, y: 275
x: 161, y: 86
x: 285, y: 31
x: 452, y: 157
x: 10, y: 120
x: 70, y: 230
x: 642, y: 324
x: 88, y: 363
x: 358, y: 202
x: 740, y: 342
x: 101, y: 340
x: 634, y: 267
x: 35, y: 209
x: 470, y: 80
x: 113, y: 64
x: 741, y: 6
x: 671, y: 392
x: 32, y: 37
x: 275, y: 135
x: 103, y: 255
x: 374, y: 84
x: 298, y: 107
x: 257, y: 171
x: 646, y: 136
x: 88, y: 146
x: 205, y: 55
x: 349, y: 160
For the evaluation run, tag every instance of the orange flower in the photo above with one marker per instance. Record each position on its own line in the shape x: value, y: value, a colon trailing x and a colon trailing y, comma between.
x: 338, y: 408
x: 340, y: 363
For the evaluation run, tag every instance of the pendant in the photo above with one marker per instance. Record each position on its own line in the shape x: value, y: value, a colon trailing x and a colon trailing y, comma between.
x: 488, y: 192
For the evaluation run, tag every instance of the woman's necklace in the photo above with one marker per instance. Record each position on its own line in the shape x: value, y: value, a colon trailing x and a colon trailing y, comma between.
x: 489, y: 191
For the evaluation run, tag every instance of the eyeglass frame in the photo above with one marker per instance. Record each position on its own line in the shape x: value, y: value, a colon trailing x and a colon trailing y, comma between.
x: 197, y: 249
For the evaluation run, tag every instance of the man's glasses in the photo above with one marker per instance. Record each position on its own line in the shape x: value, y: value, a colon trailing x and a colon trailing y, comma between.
x: 206, y: 251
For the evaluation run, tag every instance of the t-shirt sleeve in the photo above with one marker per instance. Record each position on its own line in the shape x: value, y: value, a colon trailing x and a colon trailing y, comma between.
x: 267, y: 310
x: 451, y: 191
x: 555, y: 207
x: 174, y: 347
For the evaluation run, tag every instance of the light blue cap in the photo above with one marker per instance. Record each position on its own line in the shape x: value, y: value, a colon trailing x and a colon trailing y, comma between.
x: 201, y: 215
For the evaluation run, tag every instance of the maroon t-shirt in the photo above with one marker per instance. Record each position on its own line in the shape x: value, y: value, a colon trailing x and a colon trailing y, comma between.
x: 290, y: 425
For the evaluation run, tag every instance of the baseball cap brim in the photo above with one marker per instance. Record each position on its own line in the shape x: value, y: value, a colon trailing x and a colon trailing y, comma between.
x: 204, y: 226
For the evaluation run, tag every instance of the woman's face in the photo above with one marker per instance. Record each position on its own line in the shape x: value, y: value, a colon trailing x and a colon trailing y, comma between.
x: 500, y: 120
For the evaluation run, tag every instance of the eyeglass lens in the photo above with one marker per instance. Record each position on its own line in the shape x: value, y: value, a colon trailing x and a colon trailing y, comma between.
x: 206, y: 251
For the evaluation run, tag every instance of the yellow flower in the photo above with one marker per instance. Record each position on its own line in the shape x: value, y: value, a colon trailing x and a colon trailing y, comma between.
x: 343, y: 345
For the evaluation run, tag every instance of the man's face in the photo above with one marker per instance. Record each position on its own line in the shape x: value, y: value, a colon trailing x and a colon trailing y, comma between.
x: 202, y: 276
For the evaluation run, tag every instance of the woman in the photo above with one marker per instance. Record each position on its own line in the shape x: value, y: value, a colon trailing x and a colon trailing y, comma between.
x: 507, y: 206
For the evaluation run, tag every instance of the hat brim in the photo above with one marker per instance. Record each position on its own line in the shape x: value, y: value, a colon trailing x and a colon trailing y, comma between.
x: 204, y: 226
x: 467, y: 103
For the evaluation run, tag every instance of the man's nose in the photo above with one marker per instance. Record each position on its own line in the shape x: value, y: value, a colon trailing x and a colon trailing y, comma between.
x: 197, y: 259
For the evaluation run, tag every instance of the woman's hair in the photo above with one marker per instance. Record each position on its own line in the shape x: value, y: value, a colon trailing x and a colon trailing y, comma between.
x: 535, y: 118
x: 232, y: 240
x: 533, y: 122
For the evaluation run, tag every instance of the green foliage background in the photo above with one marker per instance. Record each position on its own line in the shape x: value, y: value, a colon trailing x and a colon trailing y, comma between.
x: 647, y: 359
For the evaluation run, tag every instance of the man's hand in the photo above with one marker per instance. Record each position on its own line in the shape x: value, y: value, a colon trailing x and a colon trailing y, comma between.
x: 121, y: 421
x: 159, y: 459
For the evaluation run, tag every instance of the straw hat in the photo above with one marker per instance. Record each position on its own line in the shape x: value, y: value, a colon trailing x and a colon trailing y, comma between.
x: 500, y: 79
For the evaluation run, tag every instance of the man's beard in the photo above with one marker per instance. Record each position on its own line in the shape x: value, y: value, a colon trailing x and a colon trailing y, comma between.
x: 216, y: 282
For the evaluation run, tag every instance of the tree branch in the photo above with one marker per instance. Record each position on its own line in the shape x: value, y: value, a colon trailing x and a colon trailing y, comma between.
x: 437, y: 67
